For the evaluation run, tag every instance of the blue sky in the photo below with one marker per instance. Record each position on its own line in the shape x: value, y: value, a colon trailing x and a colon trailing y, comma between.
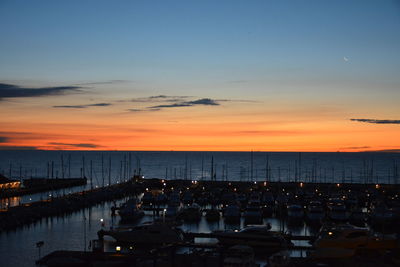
x: 207, y: 40
x: 299, y: 61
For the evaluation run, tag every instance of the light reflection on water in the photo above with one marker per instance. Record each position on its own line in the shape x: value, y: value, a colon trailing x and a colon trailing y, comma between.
x: 18, y: 248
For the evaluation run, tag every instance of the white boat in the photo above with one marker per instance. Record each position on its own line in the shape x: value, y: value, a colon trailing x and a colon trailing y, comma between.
x: 147, y: 234
x: 254, y: 236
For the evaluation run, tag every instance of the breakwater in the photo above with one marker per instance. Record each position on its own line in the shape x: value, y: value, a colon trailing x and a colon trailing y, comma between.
x: 25, y: 214
x: 36, y: 185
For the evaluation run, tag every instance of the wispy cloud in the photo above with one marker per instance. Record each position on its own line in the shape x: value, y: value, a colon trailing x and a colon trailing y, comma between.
x: 202, y: 101
x: 84, y: 106
x: 14, y: 91
x: 156, y: 98
x: 18, y: 148
x: 3, y: 139
x: 377, y: 121
x: 177, y: 102
x: 79, y: 145
x: 355, y: 147
x: 104, y: 82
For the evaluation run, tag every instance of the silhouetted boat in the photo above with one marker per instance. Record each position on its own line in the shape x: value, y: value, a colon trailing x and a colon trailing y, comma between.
x: 146, y: 234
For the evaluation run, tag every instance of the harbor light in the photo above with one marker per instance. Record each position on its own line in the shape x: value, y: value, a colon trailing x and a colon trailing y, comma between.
x: 164, y: 184
x: 338, y: 185
x: 147, y: 189
x: 330, y: 233
x: 265, y: 183
x: 229, y: 183
x: 101, y: 220
x: 234, y: 189
x: 255, y: 182
x: 162, y: 181
x: 377, y: 186
x: 301, y: 184
x: 118, y: 248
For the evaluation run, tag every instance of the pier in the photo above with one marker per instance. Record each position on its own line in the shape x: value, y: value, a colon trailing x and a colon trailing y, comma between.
x: 25, y: 214
x: 36, y: 185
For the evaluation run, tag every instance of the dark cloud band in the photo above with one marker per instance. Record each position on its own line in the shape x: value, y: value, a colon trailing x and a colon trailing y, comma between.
x: 375, y: 121
x: 84, y: 106
x: 14, y: 91
x: 81, y: 145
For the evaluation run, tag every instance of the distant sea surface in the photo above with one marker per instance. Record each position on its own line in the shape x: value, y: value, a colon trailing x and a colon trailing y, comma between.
x: 102, y: 167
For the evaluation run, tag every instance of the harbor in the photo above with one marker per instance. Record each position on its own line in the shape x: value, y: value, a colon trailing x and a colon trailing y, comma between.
x: 268, y: 220
x: 201, y: 232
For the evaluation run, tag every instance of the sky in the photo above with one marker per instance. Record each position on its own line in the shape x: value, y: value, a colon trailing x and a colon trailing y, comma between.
x: 200, y: 75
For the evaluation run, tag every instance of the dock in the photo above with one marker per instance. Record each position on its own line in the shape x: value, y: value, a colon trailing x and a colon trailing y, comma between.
x: 37, y: 185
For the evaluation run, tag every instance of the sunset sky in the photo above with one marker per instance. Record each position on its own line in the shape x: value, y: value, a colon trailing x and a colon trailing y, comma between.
x: 200, y: 75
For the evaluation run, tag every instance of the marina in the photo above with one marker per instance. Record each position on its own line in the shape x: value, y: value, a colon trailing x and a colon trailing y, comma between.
x: 211, y: 211
x: 213, y: 235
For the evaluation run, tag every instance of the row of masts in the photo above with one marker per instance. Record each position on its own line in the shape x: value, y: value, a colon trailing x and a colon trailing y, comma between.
x: 291, y: 172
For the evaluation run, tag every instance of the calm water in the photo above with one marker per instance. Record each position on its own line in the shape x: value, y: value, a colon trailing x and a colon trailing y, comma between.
x: 18, y: 248
x: 329, y: 167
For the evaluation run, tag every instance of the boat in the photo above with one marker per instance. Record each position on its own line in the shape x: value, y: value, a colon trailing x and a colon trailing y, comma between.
x: 279, y: 259
x: 348, y: 236
x: 174, y: 199
x: 191, y: 213
x: 161, y: 199
x: 187, y: 198
x: 232, y: 214
x: 151, y: 234
x: 358, y: 217
x: 337, y: 212
x: 147, y: 198
x: 172, y: 211
x: 315, y: 213
x: 267, y: 202
x: 381, y: 215
x: 130, y: 211
x: 212, y: 215
x: 259, y: 236
x: 253, y: 214
x: 239, y: 256
x: 295, y: 213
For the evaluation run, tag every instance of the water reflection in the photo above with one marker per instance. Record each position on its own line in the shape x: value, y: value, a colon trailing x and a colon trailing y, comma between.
x: 74, y: 232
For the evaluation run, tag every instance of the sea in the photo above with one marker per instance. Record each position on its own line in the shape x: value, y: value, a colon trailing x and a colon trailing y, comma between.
x: 74, y: 231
